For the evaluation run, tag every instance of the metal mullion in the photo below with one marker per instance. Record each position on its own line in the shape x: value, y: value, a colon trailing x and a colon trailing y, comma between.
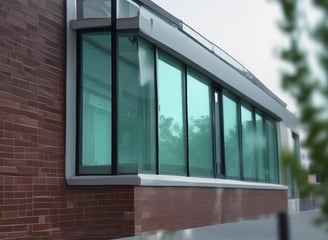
x: 240, y: 141
x: 277, y: 150
x: 185, y: 116
x: 255, y: 145
x: 266, y: 163
x: 79, y: 108
x: 222, y: 152
x: 156, y: 111
x: 213, y: 129
x: 114, y: 65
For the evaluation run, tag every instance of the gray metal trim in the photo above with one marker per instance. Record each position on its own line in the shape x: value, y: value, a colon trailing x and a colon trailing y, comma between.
x: 177, y: 43
x: 161, y: 12
x: 70, y: 144
x: 122, y: 23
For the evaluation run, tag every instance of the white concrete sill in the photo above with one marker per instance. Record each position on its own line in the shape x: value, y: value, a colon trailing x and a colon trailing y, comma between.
x: 169, y: 181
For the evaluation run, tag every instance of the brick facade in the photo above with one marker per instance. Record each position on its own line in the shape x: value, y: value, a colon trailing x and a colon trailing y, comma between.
x: 35, y: 202
x: 172, y: 208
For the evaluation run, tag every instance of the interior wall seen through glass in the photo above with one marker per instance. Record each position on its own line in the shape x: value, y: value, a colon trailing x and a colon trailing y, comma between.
x: 171, y: 116
x: 95, y: 103
x: 231, y: 137
x: 136, y: 123
x: 199, y: 125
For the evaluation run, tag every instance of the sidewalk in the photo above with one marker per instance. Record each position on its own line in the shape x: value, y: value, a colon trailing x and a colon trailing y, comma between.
x: 301, y: 228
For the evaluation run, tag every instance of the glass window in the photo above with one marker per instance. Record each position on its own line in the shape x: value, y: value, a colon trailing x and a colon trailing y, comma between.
x: 171, y: 117
x: 102, y: 8
x: 260, y: 145
x: 199, y: 125
x: 94, y: 8
x: 136, y: 123
x: 272, y: 150
x: 94, y: 148
x: 248, y: 151
x: 231, y: 137
x: 293, y: 191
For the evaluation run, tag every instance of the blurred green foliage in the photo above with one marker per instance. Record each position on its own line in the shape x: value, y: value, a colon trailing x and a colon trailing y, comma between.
x: 310, y: 92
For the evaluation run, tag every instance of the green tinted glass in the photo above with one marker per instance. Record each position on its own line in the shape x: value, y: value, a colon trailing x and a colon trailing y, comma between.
x: 199, y: 125
x: 272, y: 150
x: 136, y: 125
x: 95, y: 104
x: 260, y: 145
x: 248, y: 146
x: 231, y: 137
x: 171, y: 120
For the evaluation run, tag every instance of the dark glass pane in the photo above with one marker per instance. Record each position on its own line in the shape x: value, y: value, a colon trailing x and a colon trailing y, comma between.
x: 231, y: 137
x: 260, y: 145
x: 136, y: 132
x: 95, y: 104
x: 171, y: 123
x: 272, y: 150
x: 199, y: 125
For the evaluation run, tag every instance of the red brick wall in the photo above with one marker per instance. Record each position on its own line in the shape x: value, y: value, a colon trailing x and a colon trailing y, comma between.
x: 35, y: 203
x: 172, y: 208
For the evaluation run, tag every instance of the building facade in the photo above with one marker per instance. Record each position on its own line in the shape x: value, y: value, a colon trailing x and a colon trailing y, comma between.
x: 115, y: 127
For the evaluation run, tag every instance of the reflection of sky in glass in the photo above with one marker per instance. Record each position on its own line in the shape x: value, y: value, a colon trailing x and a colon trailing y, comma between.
x: 170, y: 90
x: 230, y: 115
x: 198, y: 97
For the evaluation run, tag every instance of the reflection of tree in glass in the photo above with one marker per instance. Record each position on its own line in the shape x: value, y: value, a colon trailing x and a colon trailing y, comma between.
x: 248, y: 149
x: 172, y: 143
x: 200, y: 147
x: 170, y: 140
x: 231, y: 150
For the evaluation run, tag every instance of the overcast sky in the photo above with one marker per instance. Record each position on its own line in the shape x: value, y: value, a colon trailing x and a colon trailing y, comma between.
x: 247, y: 30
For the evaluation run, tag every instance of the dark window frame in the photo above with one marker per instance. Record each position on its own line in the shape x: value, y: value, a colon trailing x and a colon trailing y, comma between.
x: 214, y: 88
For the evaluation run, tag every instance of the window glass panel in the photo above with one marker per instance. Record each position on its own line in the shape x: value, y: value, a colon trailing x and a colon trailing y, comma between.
x: 171, y: 123
x: 292, y: 186
x: 94, y: 8
x: 260, y: 148
x: 127, y: 8
x: 102, y: 8
x: 95, y: 104
x: 136, y: 125
x: 248, y: 134
x: 272, y: 150
x: 231, y: 137
x: 199, y: 126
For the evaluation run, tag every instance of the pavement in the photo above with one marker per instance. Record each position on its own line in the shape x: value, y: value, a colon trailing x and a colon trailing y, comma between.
x: 301, y: 227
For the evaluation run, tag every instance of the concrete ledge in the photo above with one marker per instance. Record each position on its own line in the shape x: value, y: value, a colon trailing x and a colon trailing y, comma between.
x: 169, y: 181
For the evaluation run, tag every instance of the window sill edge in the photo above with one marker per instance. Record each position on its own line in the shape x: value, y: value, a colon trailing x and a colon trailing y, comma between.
x: 152, y: 180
